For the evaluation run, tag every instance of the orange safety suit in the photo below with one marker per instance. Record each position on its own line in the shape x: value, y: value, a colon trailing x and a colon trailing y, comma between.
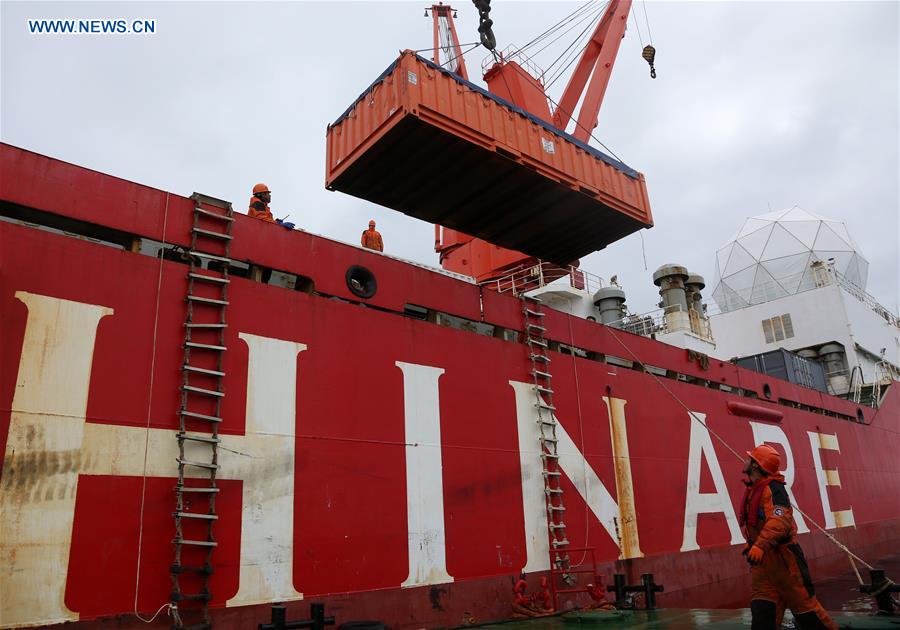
x: 260, y: 210
x: 782, y: 579
x: 371, y: 239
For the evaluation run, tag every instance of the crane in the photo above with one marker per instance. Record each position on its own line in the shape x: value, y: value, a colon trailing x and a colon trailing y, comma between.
x: 508, y: 79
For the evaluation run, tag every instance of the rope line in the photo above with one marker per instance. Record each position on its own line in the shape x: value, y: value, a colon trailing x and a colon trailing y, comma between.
x: 637, y: 26
x: 156, y: 614
x: 591, y: 15
x: 441, y: 47
x: 584, y: 464
x: 137, y: 572
x: 461, y: 53
x: 569, y: 48
x: 571, y: 16
x: 647, y: 21
x: 577, y: 124
x: 834, y: 540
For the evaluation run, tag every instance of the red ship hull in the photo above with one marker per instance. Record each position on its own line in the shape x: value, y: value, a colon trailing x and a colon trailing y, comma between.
x: 377, y: 462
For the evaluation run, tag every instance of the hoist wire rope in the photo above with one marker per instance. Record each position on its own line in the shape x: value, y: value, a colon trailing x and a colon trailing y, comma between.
x: 462, y: 53
x: 571, y: 16
x: 444, y: 42
x: 591, y: 15
x: 637, y: 26
x: 574, y: 55
x: 438, y: 48
x: 572, y: 46
x: 647, y: 21
x: 577, y: 124
x: 741, y: 458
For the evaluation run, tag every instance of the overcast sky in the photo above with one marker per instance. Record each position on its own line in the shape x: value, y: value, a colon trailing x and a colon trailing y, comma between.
x: 757, y: 106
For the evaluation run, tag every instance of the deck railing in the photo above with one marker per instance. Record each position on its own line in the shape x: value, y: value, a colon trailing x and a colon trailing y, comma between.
x: 524, y: 279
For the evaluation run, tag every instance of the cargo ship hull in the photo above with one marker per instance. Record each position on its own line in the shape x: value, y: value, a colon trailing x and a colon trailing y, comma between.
x: 375, y: 460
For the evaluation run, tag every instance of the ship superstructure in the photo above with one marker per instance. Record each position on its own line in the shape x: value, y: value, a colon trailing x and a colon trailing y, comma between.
x: 796, y: 280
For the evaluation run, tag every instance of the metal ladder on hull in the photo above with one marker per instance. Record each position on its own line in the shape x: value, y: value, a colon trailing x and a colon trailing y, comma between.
x: 538, y: 347
x: 202, y: 391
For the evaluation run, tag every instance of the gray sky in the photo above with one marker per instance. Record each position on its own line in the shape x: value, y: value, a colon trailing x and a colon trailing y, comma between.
x: 757, y: 105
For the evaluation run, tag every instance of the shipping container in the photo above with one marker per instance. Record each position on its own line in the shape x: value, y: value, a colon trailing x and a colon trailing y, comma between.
x: 789, y: 366
x: 434, y: 146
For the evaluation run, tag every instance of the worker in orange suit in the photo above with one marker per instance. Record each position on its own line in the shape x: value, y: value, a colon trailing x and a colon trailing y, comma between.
x: 259, y: 203
x: 371, y: 238
x: 779, y: 575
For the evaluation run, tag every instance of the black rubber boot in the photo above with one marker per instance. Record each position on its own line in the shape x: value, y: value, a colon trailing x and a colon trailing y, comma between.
x: 763, y: 612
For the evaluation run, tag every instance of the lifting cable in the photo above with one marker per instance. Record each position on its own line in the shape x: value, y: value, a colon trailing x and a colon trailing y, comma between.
x: 648, y: 52
x: 569, y: 51
x: 571, y: 58
x: 637, y: 27
x: 647, y: 21
x: 852, y: 556
x: 577, y: 124
x: 420, y: 50
x: 587, y: 16
x: 572, y: 16
x: 461, y: 53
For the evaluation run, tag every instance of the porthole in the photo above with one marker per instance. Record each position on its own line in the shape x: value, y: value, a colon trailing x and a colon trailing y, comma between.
x: 361, y: 282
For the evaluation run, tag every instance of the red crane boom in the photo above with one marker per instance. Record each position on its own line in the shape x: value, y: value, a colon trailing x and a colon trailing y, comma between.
x: 484, y: 261
x: 596, y: 62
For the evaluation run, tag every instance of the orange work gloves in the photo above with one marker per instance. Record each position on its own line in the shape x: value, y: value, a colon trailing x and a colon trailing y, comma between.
x: 754, y: 555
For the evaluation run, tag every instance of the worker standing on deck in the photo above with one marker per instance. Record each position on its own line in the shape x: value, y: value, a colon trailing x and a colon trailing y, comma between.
x: 259, y: 203
x: 371, y: 238
x: 259, y: 207
x: 779, y: 575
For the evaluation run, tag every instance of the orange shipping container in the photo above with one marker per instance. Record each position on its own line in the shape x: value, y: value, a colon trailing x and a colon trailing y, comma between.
x: 434, y: 146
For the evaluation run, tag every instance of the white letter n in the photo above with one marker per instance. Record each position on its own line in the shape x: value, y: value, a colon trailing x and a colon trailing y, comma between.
x: 424, y: 476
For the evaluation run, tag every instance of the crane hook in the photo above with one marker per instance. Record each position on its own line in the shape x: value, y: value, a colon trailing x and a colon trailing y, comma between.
x: 485, y: 31
x: 649, y: 54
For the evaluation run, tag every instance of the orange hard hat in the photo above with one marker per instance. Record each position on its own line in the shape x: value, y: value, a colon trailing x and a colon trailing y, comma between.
x: 261, y: 188
x: 767, y: 458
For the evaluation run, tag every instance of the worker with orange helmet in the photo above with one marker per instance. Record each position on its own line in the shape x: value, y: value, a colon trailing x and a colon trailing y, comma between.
x: 779, y: 575
x: 259, y: 203
x: 371, y: 238
x: 259, y: 207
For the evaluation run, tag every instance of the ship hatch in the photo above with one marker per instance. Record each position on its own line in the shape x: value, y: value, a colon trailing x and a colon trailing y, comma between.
x: 425, y: 142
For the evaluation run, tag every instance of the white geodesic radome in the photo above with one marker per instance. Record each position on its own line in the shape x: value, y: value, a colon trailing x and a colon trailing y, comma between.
x: 772, y: 256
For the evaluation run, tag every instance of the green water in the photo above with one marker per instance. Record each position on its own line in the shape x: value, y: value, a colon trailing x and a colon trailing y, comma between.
x: 677, y: 619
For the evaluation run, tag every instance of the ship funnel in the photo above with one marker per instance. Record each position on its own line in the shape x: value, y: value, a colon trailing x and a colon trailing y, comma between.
x: 611, y: 302
x: 696, y: 308
x: 671, y: 280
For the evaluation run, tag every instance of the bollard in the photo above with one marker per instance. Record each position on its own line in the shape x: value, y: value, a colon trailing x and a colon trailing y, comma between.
x: 279, y: 619
x: 647, y: 586
x: 881, y: 589
x: 618, y: 588
x: 317, y: 612
x: 650, y: 589
x: 317, y: 620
